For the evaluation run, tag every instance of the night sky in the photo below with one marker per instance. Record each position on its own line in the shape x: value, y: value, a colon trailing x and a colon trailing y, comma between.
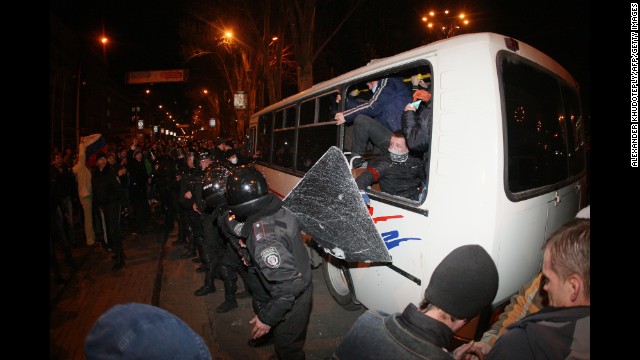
x: 144, y: 33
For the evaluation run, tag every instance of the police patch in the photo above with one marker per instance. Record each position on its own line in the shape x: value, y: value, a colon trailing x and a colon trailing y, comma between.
x: 271, y: 257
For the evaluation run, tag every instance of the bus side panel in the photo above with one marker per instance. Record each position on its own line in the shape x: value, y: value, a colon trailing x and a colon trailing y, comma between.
x: 406, y: 236
x: 525, y: 226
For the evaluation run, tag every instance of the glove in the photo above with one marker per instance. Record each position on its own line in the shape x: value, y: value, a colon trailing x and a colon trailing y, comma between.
x: 230, y: 227
x: 423, y: 95
x: 365, y: 197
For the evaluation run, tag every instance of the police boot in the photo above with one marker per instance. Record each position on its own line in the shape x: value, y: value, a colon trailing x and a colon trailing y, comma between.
x: 229, y: 277
x: 208, y: 286
x: 119, y: 264
x: 204, y: 258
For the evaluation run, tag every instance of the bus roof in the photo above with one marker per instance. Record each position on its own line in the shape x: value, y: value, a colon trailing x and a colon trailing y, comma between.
x: 493, y: 40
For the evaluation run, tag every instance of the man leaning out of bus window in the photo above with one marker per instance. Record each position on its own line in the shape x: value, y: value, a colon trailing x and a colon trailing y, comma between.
x: 397, y: 172
x: 377, y: 118
x: 417, y: 122
x: 465, y: 282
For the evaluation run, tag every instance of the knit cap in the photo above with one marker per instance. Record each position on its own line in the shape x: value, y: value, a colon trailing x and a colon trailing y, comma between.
x: 464, y: 282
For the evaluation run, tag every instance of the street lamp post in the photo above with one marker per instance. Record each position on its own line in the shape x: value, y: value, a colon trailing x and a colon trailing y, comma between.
x: 445, y: 23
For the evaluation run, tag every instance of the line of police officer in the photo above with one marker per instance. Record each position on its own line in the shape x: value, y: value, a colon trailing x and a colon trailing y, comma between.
x: 202, y: 200
x: 242, y: 228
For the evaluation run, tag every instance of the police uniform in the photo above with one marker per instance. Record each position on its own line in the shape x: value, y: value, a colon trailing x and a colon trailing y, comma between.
x: 276, y: 247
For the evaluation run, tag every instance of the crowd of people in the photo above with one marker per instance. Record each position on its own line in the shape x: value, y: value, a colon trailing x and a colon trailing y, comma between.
x: 117, y: 188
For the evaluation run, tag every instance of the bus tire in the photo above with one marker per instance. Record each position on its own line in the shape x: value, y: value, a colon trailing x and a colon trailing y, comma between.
x: 338, y: 281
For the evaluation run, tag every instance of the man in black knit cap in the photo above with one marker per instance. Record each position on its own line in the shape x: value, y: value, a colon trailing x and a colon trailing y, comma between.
x: 460, y: 287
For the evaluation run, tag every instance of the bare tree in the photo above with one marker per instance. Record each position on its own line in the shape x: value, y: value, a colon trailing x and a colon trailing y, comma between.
x: 254, y: 55
x: 302, y: 17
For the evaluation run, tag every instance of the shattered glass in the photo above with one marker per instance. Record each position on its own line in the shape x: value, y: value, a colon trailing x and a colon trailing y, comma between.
x: 329, y: 207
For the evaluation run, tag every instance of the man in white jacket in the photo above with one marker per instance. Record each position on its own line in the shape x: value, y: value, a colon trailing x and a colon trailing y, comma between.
x: 83, y: 178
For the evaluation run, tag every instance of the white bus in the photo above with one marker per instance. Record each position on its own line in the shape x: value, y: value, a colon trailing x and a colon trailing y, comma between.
x: 506, y: 164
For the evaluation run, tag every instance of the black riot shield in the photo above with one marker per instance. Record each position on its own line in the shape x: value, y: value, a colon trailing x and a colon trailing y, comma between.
x: 329, y: 207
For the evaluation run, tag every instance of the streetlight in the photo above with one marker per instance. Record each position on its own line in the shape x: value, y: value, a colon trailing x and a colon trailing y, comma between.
x: 104, y: 41
x: 79, y: 82
x: 445, y: 23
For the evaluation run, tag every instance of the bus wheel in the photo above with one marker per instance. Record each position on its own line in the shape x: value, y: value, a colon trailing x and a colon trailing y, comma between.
x: 336, y: 276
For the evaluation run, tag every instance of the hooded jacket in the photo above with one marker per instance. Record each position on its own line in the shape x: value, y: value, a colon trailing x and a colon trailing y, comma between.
x: 386, y: 105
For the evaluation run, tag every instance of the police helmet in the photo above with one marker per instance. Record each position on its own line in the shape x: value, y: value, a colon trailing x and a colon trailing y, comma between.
x: 213, y: 186
x: 246, y: 188
x: 204, y: 155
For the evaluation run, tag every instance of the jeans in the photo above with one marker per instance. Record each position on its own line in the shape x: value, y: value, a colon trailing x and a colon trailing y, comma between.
x: 67, y: 212
x: 365, y: 129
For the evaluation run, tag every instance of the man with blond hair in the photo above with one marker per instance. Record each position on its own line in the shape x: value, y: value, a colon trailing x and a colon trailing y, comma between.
x: 562, y: 329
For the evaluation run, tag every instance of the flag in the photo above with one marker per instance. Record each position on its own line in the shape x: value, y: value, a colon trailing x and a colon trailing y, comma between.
x: 94, y: 143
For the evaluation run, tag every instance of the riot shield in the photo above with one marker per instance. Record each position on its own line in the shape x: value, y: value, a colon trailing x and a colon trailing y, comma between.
x: 329, y: 207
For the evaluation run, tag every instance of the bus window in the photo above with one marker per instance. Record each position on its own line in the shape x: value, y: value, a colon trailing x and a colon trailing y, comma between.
x: 575, y: 129
x: 537, y: 154
x: 279, y: 119
x: 283, y: 147
x: 265, y: 130
x: 290, y: 117
x: 313, y: 142
x: 328, y: 107
x: 307, y: 112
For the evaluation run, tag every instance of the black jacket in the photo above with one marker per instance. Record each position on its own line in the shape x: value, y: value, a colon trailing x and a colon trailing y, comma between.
x: 105, y: 186
x: 551, y: 333
x: 278, y: 251
x: 395, y: 178
x: 138, y: 177
x: 416, y: 126
x: 190, y: 177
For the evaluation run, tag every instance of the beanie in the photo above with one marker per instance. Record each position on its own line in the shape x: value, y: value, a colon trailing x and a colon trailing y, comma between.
x: 141, y: 331
x: 464, y: 282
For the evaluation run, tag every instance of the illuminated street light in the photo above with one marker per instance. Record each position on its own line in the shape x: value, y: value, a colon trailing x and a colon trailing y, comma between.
x: 446, y: 22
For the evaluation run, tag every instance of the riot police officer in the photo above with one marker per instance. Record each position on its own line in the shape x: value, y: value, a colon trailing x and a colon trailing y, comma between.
x: 273, y: 239
x: 212, y: 243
